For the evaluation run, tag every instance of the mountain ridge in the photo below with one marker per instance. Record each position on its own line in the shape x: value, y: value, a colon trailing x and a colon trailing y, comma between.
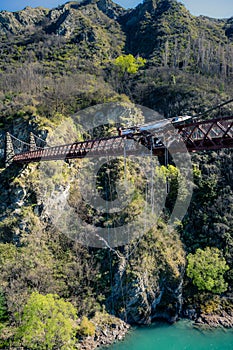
x: 29, y: 16
x: 90, y: 34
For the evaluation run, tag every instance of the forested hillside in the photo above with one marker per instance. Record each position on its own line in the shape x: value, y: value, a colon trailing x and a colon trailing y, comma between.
x: 55, y: 63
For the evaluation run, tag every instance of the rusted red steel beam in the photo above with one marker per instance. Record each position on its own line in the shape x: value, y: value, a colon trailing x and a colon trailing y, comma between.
x: 214, y: 144
x: 208, y: 135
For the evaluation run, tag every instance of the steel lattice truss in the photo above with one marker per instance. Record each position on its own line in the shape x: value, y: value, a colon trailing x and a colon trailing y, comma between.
x: 211, y: 134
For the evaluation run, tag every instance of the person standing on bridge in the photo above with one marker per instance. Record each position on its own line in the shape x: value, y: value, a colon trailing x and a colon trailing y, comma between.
x: 119, y: 131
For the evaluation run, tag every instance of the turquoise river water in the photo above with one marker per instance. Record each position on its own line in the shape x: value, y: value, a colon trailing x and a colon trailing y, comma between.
x: 180, y: 336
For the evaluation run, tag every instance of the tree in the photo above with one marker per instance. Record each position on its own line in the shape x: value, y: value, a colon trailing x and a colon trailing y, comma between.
x: 206, y: 269
x: 3, y: 308
x: 48, y: 323
x: 129, y: 64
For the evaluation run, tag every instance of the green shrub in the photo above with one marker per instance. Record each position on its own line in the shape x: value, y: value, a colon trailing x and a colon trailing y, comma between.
x: 87, y: 328
x: 206, y: 269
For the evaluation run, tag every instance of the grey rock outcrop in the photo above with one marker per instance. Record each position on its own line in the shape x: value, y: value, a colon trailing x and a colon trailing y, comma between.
x: 147, y: 293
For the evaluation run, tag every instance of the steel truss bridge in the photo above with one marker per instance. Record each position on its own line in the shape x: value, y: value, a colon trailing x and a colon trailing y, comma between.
x: 212, y: 134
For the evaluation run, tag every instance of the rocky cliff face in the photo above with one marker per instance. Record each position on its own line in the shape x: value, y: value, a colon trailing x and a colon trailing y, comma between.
x: 86, y: 22
x: 19, y: 22
x: 148, y: 286
x: 29, y: 18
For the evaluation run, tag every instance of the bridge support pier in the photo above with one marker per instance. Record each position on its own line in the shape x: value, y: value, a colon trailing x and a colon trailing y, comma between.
x: 9, y: 150
x: 32, y: 142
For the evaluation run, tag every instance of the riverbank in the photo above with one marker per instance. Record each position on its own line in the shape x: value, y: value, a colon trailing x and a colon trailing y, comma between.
x: 223, y: 319
x: 214, y: 314
x: 109, y: 329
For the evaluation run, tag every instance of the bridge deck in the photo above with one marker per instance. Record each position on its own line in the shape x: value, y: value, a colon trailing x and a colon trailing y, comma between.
x: 200, y: 135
